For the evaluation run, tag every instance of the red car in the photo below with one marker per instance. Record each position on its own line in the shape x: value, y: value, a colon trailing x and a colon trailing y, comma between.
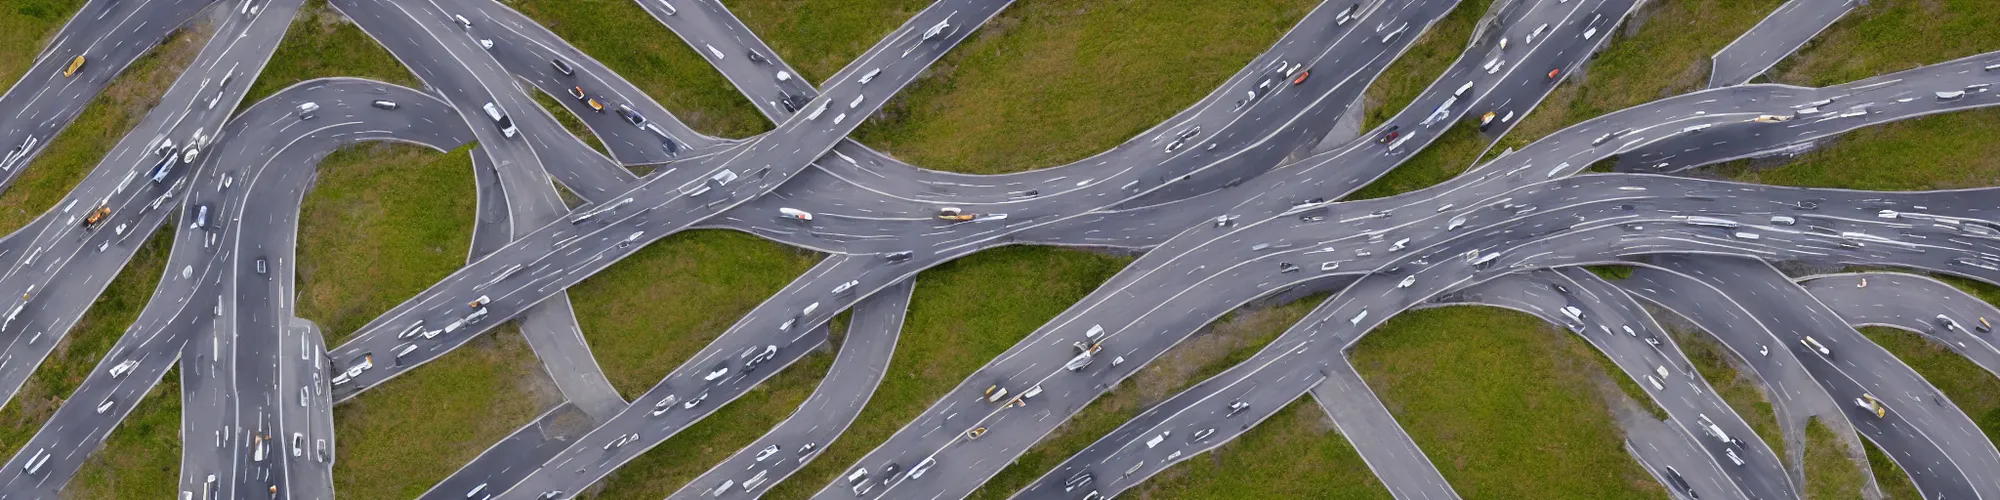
x: 1554, y: 72
x: 1302, y: 77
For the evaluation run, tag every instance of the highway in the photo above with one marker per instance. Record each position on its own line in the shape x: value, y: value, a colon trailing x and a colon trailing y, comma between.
x: 1777, y: 36
x: 1226, y: 198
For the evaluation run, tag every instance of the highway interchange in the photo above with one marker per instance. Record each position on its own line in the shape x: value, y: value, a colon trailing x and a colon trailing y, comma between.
x: 1227, y: 199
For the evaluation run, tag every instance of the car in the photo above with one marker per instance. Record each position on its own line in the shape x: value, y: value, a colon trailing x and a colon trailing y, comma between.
x: 1984, y: 326
x: 594, y: 105
x: 1948, y: 323
x: 669, y: 8
x: 767, y: 452
x: 890, y: 472
x: 845, y: 287
x: 667, y: 403
x: 1813, y: 344
x: 319, y: 450
x: 719, y: 371
x: 1302, y: 77
x: 758, y: 358
x: 576, y: 92
x: 755, y: 57
x: 806, y: 450
x: 123, y: 368
x: 691, y: 403
x: 1203, y: 434
x: 870, y: 76
x: 1388, y: 135
x: 74, y: 65
x: 630, y: 239
x: 1287, y: 267
x: 1554, y: 72
x: 1486, y: 120
x: 298, y: 444
x: 462, y: 21
x: 795, y: 214
x: 629, y: 115
x: 1407, y: 281
x: 1079, y: 480
x: 500, y: 119
x: 261, y: 268
x: 384, y: 104
x: 562, y: 66
x: 105, y: 406
x: 898, y: 256
x: 1236, y: 407
x: 975, y: 433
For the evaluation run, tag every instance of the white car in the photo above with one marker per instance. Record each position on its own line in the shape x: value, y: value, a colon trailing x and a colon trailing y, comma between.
x: 870, y: 76
x: 767, y: 452
x: 844, y: 287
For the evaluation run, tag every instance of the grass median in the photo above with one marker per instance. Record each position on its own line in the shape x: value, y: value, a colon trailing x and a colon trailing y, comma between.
x: 26, y: 28
x: 1229, y: 341
x: 140, y: 457
x: 1829, y: 474
x: 79, y: 351
x: 819, y: 37
x: 403, y: 213
x: 1889, y: 36
x: 72, y: 154
x: 406, y: 435
x: 1423, y: 63
x: 1051, y: 82
x: 1500, y: 405
x: 322, y: 43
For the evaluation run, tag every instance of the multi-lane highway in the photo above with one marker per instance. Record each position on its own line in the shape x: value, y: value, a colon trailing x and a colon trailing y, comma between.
x: 1223, y: 196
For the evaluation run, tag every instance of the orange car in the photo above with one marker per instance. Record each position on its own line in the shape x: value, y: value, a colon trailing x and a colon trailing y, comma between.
x: 953, y: 214
x: 74, y: 64
x: 594, y: 105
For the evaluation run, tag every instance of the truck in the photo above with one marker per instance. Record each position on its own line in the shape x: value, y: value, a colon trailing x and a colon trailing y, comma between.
x: 97, y: 217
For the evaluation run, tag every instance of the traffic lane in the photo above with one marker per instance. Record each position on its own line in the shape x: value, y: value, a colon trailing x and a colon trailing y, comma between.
x: 1316, y: 32
x: 51, y: 242
x: 1857, y: 364
x: 763, y: 342
x: 529, y: 51
x: 716, y: 34
x: 452, y: 63
x: 1912, y: 302
x: 1793, y: 133
x: 110, y: 35
x: 521, y: 451
x: 794, y: 138
x: 1651, y: 359
x: 1772, y: 39
x: 857, y: 370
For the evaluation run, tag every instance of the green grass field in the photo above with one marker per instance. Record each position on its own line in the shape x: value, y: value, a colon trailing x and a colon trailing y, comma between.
x: 1829, y: 474
x: 1296, y: 453
x: 1423, y: 63
x: 71, y: 154
x: 402, y: 212
x: 819, y: 37
x: 26, y: 27
x: 659, y: 306
x: 1889, y: 36
x: 1051, y: 82
x: 1500, y: 405
x: 141, y: 458
x: 407, y: 434
x: 321, y: 43
x: 626, y: 39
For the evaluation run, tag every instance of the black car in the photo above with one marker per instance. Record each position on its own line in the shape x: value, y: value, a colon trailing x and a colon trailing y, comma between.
x: 758, y: 58
x: 898, y: 256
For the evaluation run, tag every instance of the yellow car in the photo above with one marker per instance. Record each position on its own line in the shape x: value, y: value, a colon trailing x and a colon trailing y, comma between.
x: 74, y: 64
x: 594, y: 105
x: 975, y: 433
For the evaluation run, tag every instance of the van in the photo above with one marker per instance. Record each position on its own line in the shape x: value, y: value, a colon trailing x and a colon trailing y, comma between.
x: 1573, y: 313
x: 454, y: 326
x: 473, y: 319
x: 1358, y: 317
x: 859, y: 475
x: 74, y: 65
x: 1745, y: 235
x: 468, y: 25
x: 506, y: 125
x: 996, y: 394
x: 1462, y: 89
x: 1783, y: 220
x: 480, y: 302
x: 809, y: 309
